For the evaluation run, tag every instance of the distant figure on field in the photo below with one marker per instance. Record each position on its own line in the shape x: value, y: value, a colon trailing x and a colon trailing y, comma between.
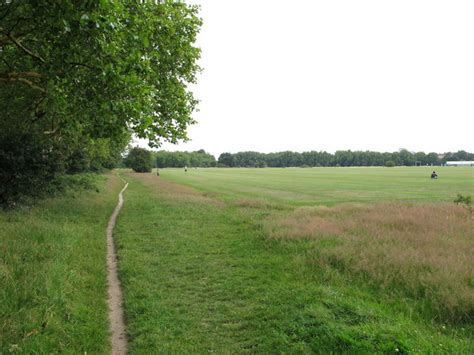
x: 157, y: 172
x: 434, y: 175
x: 185, y: 169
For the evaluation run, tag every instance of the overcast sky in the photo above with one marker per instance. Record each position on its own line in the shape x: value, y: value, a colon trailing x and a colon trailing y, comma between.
x: 327, y: 75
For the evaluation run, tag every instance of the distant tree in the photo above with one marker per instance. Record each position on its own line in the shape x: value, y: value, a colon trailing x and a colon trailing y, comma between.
x: 226, y: 159
x: 432, y: 159
x: 340, y: 158
x: 406, y: 158
x: 457, y: 156
x: 344, y: 158
x: 196, y: 159
x: 140, y: 160
x: 421, y: 157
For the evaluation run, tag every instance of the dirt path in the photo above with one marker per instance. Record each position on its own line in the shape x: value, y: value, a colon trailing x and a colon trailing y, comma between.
x: 117, y: 324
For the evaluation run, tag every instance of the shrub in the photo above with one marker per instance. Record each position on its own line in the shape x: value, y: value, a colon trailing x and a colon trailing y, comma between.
x: 29, y: 165
x: 465, y: 201
x: 140, y: 160
x: 389, y: 163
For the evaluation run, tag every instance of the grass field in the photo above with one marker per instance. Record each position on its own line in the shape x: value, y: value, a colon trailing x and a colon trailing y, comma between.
x: 53, y: 274
x: 298, y: 260
x: 247, y: 261
x: 329, y: 186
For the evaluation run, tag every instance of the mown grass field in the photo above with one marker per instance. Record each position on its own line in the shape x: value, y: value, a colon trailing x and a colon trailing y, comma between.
x: 329, y: 186
x: 298, y: 261
x: 53, y: 285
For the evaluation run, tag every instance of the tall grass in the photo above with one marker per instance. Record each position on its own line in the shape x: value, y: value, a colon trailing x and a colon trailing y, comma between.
x: 53, y: 273
x: 425, y: 251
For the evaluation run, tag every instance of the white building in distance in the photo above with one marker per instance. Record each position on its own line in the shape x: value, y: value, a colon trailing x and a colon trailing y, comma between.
x: 460, y: 163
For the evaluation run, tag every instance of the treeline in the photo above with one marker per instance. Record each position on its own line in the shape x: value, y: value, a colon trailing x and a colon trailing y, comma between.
x: 200, y: 158
x: 340, y: 158
x: 143, y: 160
x: 78, y: 78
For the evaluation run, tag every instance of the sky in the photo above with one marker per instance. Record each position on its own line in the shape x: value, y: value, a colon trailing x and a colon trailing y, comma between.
x: 306, y: 75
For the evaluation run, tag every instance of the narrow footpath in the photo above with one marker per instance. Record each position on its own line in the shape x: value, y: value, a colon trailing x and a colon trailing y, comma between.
x: 116, y: 319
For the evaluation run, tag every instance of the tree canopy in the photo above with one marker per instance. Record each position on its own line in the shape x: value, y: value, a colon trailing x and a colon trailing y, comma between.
x: 403, y: 157
x: 78, y: 78
x: 339, y: 158
x: 140, y: 160
x: 199, y: 158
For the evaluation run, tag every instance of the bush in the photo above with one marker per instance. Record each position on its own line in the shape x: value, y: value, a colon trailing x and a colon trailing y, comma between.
x: 78, y: 162
x: 139, y: 160
x: 29, y: 165
x: 465, y: 201
x: 389, y: 163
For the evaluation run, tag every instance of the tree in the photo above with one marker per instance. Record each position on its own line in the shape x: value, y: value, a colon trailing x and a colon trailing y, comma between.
x: 344, y: 157
x: 76, y: 77
x: 139, y: 160
x: 406, y: 158
x: 108, y: 65
x: 226, y: 159
x: 432, y: 158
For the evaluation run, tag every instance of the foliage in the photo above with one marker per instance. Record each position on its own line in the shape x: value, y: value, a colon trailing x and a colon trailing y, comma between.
x: 458, y: 156
x: 226, y: 159
x: 77, y: 78
x: 29, y: 163
x: 195, y: 159
x: 139, y: 160
x: 340, y: 158
x: 389, y: 163
x: 465, y: 201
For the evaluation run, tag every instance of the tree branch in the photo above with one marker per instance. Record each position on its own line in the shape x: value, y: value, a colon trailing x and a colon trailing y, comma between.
x: 82, y: 65
x: 7, y: 64
x: 20, y: 77
x: 22, y: 47
x: 28, y: 74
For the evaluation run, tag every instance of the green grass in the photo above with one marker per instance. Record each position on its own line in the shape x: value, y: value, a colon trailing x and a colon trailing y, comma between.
x: 53, y: 274
x: 201, y: 275
x: 329, y: 186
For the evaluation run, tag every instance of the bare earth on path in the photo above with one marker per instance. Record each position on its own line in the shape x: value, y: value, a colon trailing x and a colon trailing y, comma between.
x: 116, y: 319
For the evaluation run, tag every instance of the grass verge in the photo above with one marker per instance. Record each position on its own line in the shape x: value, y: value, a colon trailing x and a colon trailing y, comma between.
x: 53, y: 273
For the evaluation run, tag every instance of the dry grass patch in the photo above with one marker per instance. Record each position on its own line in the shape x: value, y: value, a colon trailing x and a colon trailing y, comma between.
x: 176, y: 192
x: 424, y: 250
x: 249, y: 203
x: 257, y: 204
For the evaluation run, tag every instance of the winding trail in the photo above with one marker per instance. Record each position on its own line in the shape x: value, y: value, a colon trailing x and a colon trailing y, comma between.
x: 116, y: 319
